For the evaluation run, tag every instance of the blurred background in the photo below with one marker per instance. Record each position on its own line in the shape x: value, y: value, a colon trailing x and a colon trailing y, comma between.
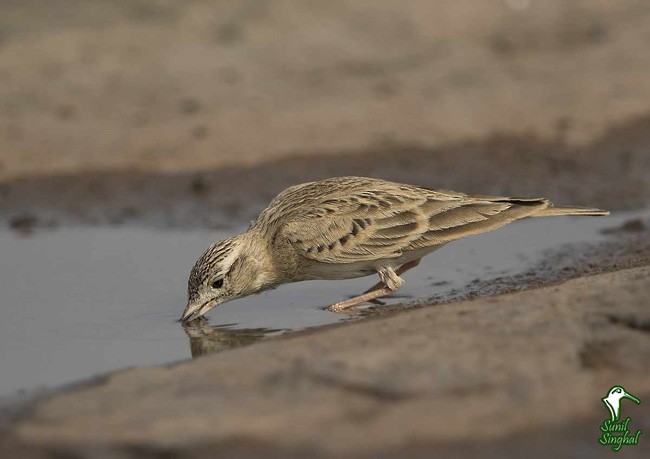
x: 201, y: 84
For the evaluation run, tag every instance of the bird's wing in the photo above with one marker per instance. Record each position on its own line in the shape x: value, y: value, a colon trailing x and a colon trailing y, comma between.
x: 365, y: 225
x: 476, y: 215
x: 376, y: 224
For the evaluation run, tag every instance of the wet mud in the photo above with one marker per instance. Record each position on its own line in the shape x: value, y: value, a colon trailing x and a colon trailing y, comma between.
x: 612, y: 172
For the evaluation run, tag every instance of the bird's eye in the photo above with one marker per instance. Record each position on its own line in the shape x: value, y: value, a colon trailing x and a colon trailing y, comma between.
x: 217, y: 283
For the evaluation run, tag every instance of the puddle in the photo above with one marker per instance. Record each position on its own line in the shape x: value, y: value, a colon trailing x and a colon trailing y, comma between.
x: 82, y: 301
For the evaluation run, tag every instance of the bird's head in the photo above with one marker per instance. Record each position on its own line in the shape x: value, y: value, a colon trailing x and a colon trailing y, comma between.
x: 227, y: 270
x: 617, y: 392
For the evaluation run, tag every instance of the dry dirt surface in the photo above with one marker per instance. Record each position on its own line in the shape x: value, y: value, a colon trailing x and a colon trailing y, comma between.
x: 499, y: 377
x: 194, y: 84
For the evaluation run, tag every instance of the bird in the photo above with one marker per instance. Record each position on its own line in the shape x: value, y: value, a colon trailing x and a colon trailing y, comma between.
x: 344, y: 228
x: 613, y: 401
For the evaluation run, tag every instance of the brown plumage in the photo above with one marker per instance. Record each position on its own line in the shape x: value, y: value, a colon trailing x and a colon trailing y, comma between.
x: 348, y: 227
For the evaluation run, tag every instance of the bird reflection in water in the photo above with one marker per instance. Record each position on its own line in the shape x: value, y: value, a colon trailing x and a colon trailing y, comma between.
x: 206, y: 339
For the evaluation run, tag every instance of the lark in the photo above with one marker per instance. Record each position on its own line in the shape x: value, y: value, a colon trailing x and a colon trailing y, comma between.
x: 348, y: 227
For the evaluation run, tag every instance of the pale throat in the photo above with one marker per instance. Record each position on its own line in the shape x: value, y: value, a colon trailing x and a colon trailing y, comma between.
x: 264, y: 274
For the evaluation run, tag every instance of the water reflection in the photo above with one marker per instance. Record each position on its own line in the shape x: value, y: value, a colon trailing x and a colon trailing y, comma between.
x: 207, y: 339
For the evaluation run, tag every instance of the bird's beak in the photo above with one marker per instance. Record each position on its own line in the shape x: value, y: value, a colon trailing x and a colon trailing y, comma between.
x: 631, y: 397
x: 195, y: 310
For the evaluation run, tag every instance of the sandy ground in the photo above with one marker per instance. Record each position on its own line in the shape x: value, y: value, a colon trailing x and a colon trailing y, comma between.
x: 195, y: 113
x: 196, y: 84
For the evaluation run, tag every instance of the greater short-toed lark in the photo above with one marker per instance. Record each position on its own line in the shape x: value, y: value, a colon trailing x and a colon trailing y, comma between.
x: 348, y: 227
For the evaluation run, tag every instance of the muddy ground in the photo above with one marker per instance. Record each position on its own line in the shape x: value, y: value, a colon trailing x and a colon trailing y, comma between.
x: 194, y: 114
x: 613, y: 172
x: 501, y: 377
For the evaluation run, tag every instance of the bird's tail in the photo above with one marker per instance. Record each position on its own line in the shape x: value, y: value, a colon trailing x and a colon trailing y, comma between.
x: 544, y: 207
x: 552, y: 211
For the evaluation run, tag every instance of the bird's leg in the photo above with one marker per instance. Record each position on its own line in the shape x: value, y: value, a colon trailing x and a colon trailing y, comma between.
x: 343, y: 305
x: 389, y: 278
x: 401, y: 270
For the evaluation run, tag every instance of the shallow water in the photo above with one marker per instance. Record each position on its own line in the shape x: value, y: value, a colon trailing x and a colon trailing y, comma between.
x: 77, y: 302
